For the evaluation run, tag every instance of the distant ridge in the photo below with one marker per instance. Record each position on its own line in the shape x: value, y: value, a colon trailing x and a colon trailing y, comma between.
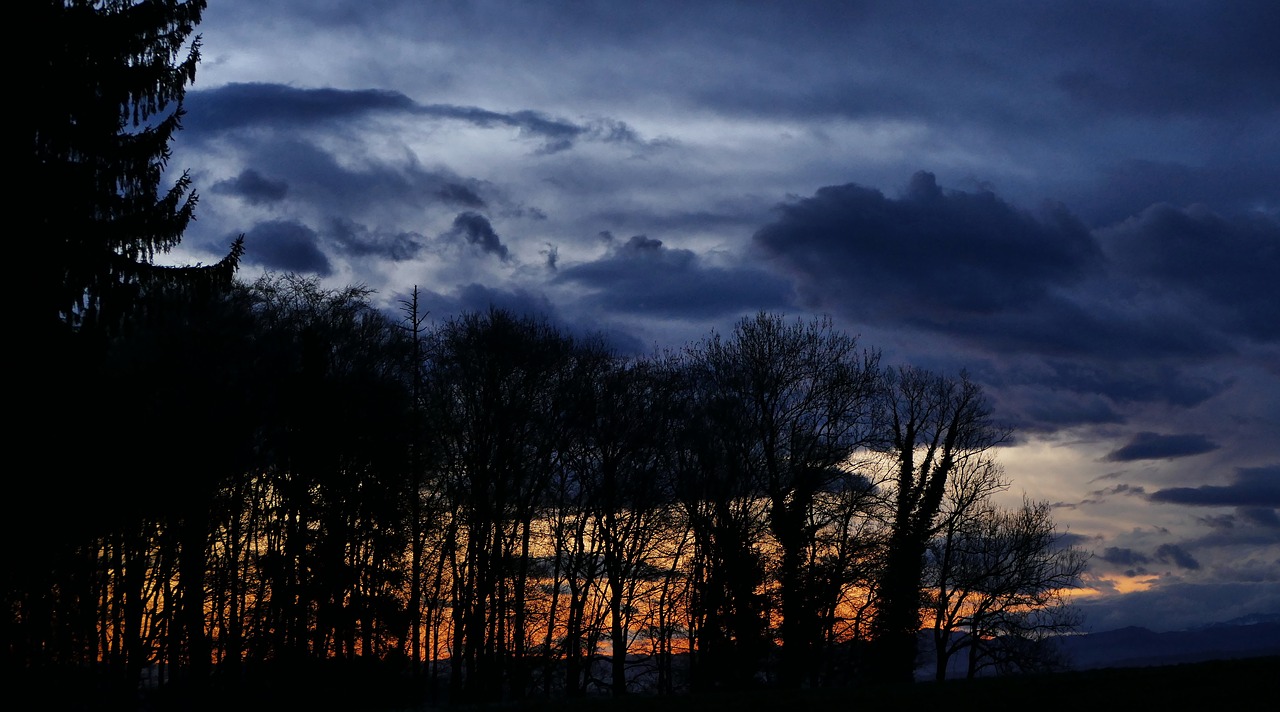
x: 1252, y: 636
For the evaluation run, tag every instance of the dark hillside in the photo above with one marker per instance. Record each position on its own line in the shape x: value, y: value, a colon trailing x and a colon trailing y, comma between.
x: 1178, y: 686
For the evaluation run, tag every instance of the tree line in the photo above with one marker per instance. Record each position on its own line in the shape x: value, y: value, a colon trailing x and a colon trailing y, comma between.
x: 232, y: 483
x: 498, y: 509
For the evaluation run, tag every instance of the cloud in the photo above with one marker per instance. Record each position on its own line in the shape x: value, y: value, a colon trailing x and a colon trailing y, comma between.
x: 241, y: 105
x: 927, y: 257
x: 359, y: 241
x: 1169, y: 71
x: 1123, y: 556
x: 1167, y: 553
x: 1153, y: 446
x: 1266, y: 517
x: 253, y: 187
x: 460, y: 195
x: 643, y: 276
x: 475, y: 298
x: 477, y: 230
x: 1253, y: 487
x: 286, y: 246
x: 1177, y: 606
x: 1234, y: 187
x: 1225, y: 265
x: 1066, y: 325
x: 324, y: 184
x: 1123, y: 489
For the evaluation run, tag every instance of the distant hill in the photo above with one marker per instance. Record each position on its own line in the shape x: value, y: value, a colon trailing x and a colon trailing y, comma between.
x: 1139, y: 647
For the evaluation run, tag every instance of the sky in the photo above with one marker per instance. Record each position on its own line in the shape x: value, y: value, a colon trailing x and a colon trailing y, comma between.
x: 1077, y: 203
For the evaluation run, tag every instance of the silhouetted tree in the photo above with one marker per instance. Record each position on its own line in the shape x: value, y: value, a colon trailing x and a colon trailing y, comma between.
x: 112, y: 76
x: 806, y: 401
x: 621, y: 426
x: 999, y: 583
x: 726, y: 512
x: 335, y: 446
x: 496, y: 387
x: 108, y: 79
x: 934, y: 424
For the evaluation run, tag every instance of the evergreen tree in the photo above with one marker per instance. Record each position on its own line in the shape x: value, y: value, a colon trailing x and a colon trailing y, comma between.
x: 106, y: 81
x: 111, y: 76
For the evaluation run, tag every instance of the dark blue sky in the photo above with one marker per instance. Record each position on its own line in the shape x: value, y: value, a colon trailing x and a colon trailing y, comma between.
x: 1077, y: 202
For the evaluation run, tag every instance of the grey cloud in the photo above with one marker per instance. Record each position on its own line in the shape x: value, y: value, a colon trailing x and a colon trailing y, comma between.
x: 1261, y: 516
x: 287, y: 246
x: 475, y: 297
x: 1119, y: 489
x: 480, y: 298
x: 1069, y: 539
x: 1177, y: 606
x: 1230, y: 63
x: 1153, y: 446
x: 1232, y: 185
x: 460, y: 195
x: 375, y: 190
x: 1036, y: 293
x: 1143, y: 382
x: 1253, y: 487
x: 254, y: 187
x: 240, y: 105
x: 477, y: 230
x: 643, y: 276
x: 1049, y: 413
x: 1172, y: 553
x: 1123, y: 556
x: 931, y: 255
x: 1229, y: 264
x: 359, y: 241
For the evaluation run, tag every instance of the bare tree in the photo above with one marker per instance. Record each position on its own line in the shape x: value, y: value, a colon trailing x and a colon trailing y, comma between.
x: 796, y: 408
x: 1000, y: 583
x: 934, y: 425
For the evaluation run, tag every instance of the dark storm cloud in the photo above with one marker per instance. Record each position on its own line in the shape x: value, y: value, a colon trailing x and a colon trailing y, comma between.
x: 1119, y: 489
x: 253, y: 187
x: 1188, y: 59
x: 1233, y: 186
x: 643, y: 276
x: 1153, y: 446
x: 931, y: 255
x: 1135, y: 563
x: 1261, y: 516
x: 236, y: 106
x: 476, y: 230
x: 372, y: 189
x: 477, y: 298
x: 1084, y: 322
x: 1228, y: 265
x: 1172, y: 553
x: 359, y: 241
x: 1252, y: 487
x: 460, y: 195
x: 1065, y: 411
x: 286, y: 246
x: 1122, y: 556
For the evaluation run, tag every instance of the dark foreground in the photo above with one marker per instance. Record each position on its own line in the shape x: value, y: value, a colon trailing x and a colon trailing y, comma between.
x: 1190, y: 686
x: 1206, y: 685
